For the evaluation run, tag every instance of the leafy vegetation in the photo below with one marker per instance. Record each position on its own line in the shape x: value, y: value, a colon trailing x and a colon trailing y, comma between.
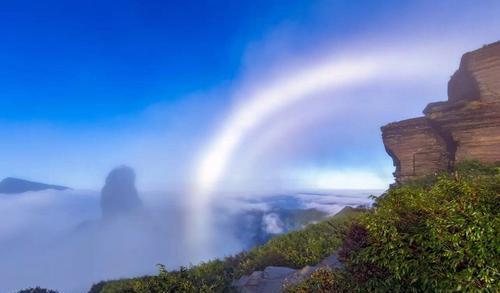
x: 296, y: 249
x: 443, y: 236
x: 299, y: 248
x: 37, y: 290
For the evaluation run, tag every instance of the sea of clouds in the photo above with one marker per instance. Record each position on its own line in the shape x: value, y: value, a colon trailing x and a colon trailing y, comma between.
x: 56, y: 239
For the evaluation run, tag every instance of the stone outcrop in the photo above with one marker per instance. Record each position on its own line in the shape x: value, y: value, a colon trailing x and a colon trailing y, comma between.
x: 119, y: 197
x: 466, y: 127
x: 416, y: 148
x: 274, y: 279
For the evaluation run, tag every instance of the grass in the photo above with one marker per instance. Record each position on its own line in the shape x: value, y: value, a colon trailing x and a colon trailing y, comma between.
x: 296, y: 249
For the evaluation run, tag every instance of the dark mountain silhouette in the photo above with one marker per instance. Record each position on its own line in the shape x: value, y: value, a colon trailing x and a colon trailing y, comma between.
x: 15, y: 185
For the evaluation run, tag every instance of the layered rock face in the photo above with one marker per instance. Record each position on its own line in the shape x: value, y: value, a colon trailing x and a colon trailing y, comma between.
x: 466, y: 127
x: 416, y: 148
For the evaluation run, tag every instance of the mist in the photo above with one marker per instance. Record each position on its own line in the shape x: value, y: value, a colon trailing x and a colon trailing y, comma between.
x: 61, y: 240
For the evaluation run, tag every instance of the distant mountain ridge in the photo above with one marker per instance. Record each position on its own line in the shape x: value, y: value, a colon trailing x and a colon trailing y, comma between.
x: 15, y: 185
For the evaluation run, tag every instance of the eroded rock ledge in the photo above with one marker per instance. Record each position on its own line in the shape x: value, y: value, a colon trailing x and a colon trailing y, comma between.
x: 467, y: 126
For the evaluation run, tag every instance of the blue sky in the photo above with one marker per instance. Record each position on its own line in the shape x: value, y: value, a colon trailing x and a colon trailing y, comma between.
x: 88, y: 85
x: 80, y: 61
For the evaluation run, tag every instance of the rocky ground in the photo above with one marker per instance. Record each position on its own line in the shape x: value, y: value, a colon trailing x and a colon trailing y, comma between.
x: 273, y: 279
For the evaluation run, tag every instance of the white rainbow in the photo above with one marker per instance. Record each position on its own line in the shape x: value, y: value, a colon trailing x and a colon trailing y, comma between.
x: 259, y: 107
x: 262, y: 105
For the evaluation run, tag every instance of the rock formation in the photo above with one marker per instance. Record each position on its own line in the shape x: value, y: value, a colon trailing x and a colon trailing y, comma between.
x: 274, y: 279
x: 15, y: 185
x: 466, y: 127
x: 119, y: 196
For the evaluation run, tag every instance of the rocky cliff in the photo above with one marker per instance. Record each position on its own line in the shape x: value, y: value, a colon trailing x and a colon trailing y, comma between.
x: 467, y: 126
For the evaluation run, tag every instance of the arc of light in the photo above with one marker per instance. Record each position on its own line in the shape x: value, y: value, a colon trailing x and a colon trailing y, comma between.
x: 263, y: 105
x: 259, y: 107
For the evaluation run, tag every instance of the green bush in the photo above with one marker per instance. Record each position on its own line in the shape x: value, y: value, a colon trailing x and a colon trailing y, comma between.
x: 443, y: 237
x: 206, y: 277
x: 440, y: 234
x: 37, y: 290
x: 300, y: 248
x: 323, y: 280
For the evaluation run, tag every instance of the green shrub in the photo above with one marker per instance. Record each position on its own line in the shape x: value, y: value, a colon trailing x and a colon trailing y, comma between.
x: 323, y: 280
x: 440, y: 238
x: 472, y: 169
x: 37, y: 290
x: 300, y: 248
x: 439, y: 234
x: 206, y: 277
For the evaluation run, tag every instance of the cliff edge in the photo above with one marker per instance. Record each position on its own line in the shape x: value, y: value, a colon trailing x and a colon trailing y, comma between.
x: 465, y: 127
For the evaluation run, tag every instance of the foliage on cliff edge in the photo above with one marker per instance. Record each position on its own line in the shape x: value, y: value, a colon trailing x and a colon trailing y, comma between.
x: 437, y: 237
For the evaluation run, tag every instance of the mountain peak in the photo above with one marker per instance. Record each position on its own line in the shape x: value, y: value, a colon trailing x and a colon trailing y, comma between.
x: 12, y: 185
